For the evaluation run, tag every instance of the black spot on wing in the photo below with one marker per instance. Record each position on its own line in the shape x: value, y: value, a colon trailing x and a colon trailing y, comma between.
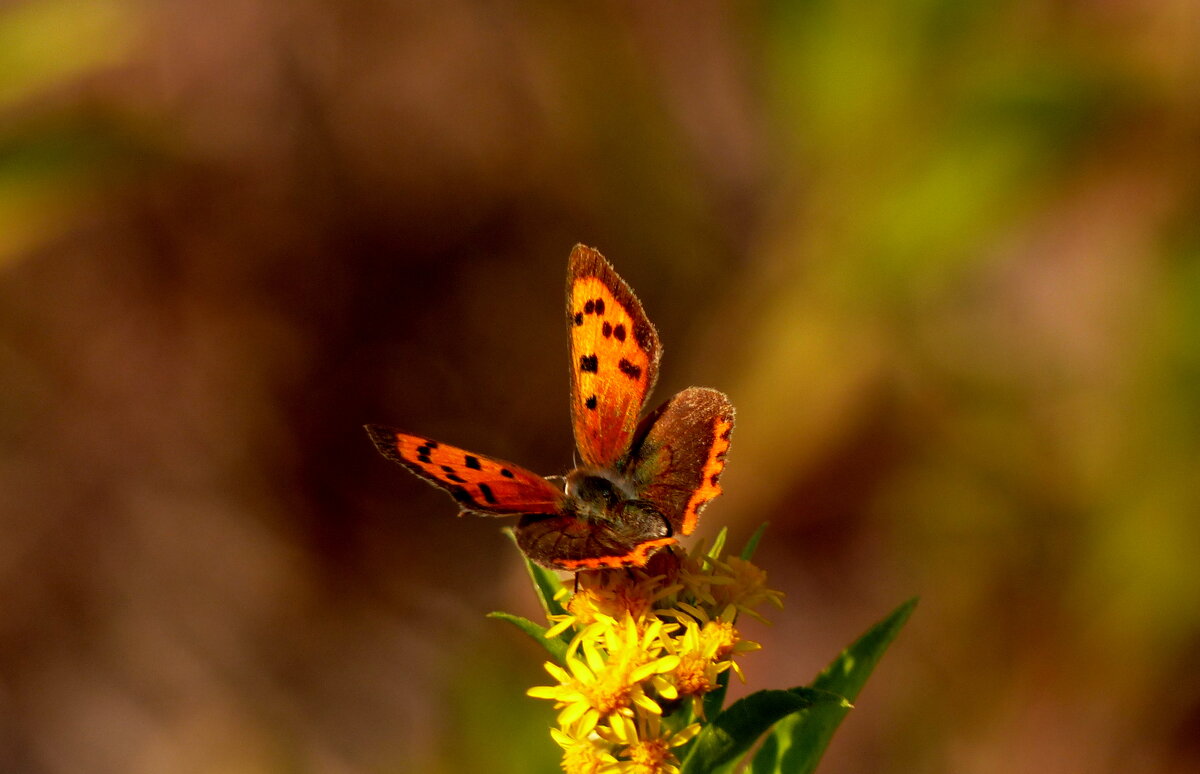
x: 506, y: 472
x: 643, y: 334
x: 607, y: 329
x: 589, y: 364
x: 629, y: 369
x: 619, y: 332
x: 589, y: 307
x: 424, y: 458
x: 599, y: 306
x: 487, y: 494
x: 472, y: 462
x: 591, y: 403
x: 579, y: 318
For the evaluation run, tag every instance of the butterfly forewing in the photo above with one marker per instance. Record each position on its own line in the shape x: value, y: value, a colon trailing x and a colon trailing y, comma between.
x: 678, y: 464
x: 478, y: 482
x: 614, y: 358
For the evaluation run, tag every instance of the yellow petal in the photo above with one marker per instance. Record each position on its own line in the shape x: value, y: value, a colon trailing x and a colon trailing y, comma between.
x: 667, y: 591
x: 685, y: 735
x: 646, y: 703
x: 557, y: 672
x: 665, y: 689
x: 571, y: 713
x: 580, y: 672
x: 665, y: 664
x: 641, y: 673
x: 753, y: 614
x: 623, y: 729
x: 559, y: 628
x: 652, y: 632
x: 588, y: 723
x: 593, y: 657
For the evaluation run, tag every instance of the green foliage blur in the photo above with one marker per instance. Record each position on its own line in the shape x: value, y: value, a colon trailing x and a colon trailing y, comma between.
x: 943, y: 256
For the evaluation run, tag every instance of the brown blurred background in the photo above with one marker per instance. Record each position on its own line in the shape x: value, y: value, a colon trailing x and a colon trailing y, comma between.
x: 943, y: 256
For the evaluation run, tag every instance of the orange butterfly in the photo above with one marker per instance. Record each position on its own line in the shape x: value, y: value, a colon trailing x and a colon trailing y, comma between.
x: 641, y: 484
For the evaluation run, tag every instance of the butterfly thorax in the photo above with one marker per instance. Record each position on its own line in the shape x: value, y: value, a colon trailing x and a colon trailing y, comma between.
x: 600, y: 495
x: 598, y: 490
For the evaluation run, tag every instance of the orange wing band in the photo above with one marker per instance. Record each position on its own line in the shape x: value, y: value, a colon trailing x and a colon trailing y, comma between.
x: 635, y: 558
x: 710, y: 486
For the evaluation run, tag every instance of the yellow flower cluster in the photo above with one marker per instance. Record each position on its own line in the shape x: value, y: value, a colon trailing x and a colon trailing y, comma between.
x: 647, y: 645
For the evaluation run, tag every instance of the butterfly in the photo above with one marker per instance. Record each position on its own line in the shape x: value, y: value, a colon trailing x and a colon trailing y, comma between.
x: 642, y: 483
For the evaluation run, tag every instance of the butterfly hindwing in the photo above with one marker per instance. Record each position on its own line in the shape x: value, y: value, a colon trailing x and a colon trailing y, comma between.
x: 478, y: 482
x: 568, y: 543
x: 678, y: 463
x: 614, y: 358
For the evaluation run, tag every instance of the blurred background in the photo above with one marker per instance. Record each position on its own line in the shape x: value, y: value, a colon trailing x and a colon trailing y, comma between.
x: 943, y: 256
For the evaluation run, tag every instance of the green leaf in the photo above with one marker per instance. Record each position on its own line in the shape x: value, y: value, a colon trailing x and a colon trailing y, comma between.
x: 545, y: 582
x: 718, y: 544
x: 729, y: 735
x: 752, y: 543
x: 553, y: 645
x: 716, y: 697
x: 797, y: 743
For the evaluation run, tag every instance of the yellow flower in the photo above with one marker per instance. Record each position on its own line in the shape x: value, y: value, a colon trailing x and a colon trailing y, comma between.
x: 722, y: 637
x: 703, y: 652
x: 719, y: 588
x: 699, y: 666
x: 746, y: 588
x: 618, y: 663
x: 650, y: 756
x: 599, y: 593
x: 644, y: 638
x: 582, y: 755
x: 647, y: 745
